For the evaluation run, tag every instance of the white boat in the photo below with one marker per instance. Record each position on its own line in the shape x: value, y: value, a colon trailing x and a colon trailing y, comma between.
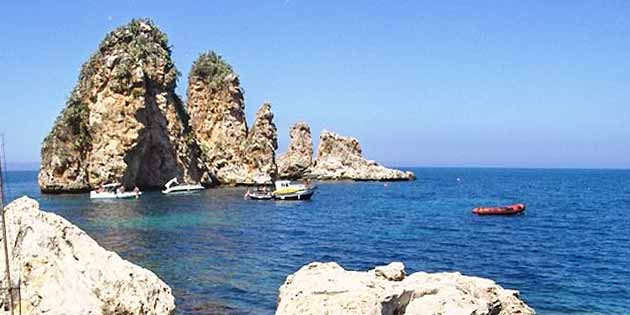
x: 113, y: 191
x: 170, y: 189
x: 285, y: 190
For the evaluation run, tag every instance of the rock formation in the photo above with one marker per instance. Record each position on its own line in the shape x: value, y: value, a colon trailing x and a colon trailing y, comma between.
x: 298, y: 158
x: 259, y: 152
x: 63, y: 271
x: 123, y: 121
x: 326, y: 288
x: 341, y: 158
x: 234, y: 154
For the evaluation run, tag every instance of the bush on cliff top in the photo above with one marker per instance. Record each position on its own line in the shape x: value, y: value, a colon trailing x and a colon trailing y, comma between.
x: 210, y: 67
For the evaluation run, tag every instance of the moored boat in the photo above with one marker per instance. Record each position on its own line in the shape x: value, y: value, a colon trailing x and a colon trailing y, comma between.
x: 177, y: 188
x: 285, y: 190
x: 114, y: 191
x: 506, y: 210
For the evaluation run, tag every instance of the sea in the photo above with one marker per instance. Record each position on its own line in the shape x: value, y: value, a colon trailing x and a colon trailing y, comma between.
x: 569, y: 253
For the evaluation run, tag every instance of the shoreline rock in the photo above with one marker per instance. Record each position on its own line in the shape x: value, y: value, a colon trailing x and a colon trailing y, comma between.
x: 64, y: 271
x: 327, y: 288
x: 340, y: 158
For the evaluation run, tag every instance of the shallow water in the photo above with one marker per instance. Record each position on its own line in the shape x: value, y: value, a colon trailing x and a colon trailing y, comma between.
x: 568, y: 254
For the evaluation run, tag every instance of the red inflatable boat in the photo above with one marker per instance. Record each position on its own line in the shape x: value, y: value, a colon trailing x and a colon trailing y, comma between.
x: 508, y: 210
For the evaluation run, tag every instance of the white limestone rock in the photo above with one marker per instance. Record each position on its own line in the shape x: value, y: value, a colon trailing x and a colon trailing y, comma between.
x: 326, y: 288
x: 64, y: 271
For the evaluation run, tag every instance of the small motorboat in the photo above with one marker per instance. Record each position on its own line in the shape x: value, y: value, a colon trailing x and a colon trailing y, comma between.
x: 114, y: 191
x: 262, y: 192
x: 173, y: 187
x: 507, y: 210
x: 287, y: 191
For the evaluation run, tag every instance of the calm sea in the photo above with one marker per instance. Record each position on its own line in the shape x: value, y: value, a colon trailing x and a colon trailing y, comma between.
x: 569, y: 253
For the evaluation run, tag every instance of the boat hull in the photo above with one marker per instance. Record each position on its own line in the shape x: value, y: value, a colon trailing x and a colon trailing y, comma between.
x: 108, y: 195
x: 183, y: 189
x: 260, y: 196
x: 508, y: 210
x: 299, y: 195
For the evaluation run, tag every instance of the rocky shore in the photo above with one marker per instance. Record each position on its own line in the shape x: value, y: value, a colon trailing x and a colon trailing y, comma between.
x: 326, y: 288
x: 123, y: 122
x: 64, y: 271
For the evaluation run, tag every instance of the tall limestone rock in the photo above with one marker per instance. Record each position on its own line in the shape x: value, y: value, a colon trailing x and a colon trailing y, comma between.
x: 260, y: 150
x: 123, y: 121
x: 234, y: 154
x: 341, y: 158
x: 298, y: 158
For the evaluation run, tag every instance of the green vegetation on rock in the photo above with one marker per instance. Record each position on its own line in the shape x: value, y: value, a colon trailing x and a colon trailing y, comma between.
x: 211, y: 68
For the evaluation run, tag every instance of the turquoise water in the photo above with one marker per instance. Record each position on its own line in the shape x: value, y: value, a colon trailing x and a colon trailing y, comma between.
x: 569, y: 253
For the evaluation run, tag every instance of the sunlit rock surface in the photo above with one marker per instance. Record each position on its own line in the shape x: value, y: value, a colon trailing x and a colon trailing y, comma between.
x: 294, y: 163
x: 326, y: 288
x: 341, y: 158
x: 64, y: 271
x: 123, y: 121
x: 234, y: 154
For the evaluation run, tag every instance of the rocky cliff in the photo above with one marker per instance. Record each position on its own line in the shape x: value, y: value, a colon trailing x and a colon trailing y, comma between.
x: 294, y: 163
x: 326, y: 288
x: 123, y: 121
x: 63, y: 271
x: 341, y: 157
x: 234, y: 154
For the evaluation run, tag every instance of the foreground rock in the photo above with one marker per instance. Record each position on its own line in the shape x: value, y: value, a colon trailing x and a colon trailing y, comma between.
x: 123, y: 121
x: 295, y: 162
x: 234, y: 154
x: 326, y: 288
x: 64, y: 271
x: 340, y: 158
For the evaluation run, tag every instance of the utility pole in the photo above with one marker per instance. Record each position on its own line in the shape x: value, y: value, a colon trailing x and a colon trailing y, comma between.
x: 7, y: 265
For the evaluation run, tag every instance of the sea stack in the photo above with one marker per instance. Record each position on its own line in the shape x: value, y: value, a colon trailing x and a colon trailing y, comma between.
x: 327, y: 288
x: 260, y: 150
x: 123, y: 121
x: 63, y: 271
x: 234, y: 154
x: 294, y: 163
x: 340, y: 158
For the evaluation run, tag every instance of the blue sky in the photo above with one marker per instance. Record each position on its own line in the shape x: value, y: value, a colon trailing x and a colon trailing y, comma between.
x: 426, y: 83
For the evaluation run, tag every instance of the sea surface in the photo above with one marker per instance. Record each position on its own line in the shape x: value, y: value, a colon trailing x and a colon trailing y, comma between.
x: 568, y: 254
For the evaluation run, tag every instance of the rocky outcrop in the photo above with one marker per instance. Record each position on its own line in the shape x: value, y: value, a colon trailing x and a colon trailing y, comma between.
x: 64, y: 271
x: 341, y: 158
x: 260, y: 150
x: 234, y: 154
x: 123, y: 121
x: 326, y: 288
x: 294, y: 163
